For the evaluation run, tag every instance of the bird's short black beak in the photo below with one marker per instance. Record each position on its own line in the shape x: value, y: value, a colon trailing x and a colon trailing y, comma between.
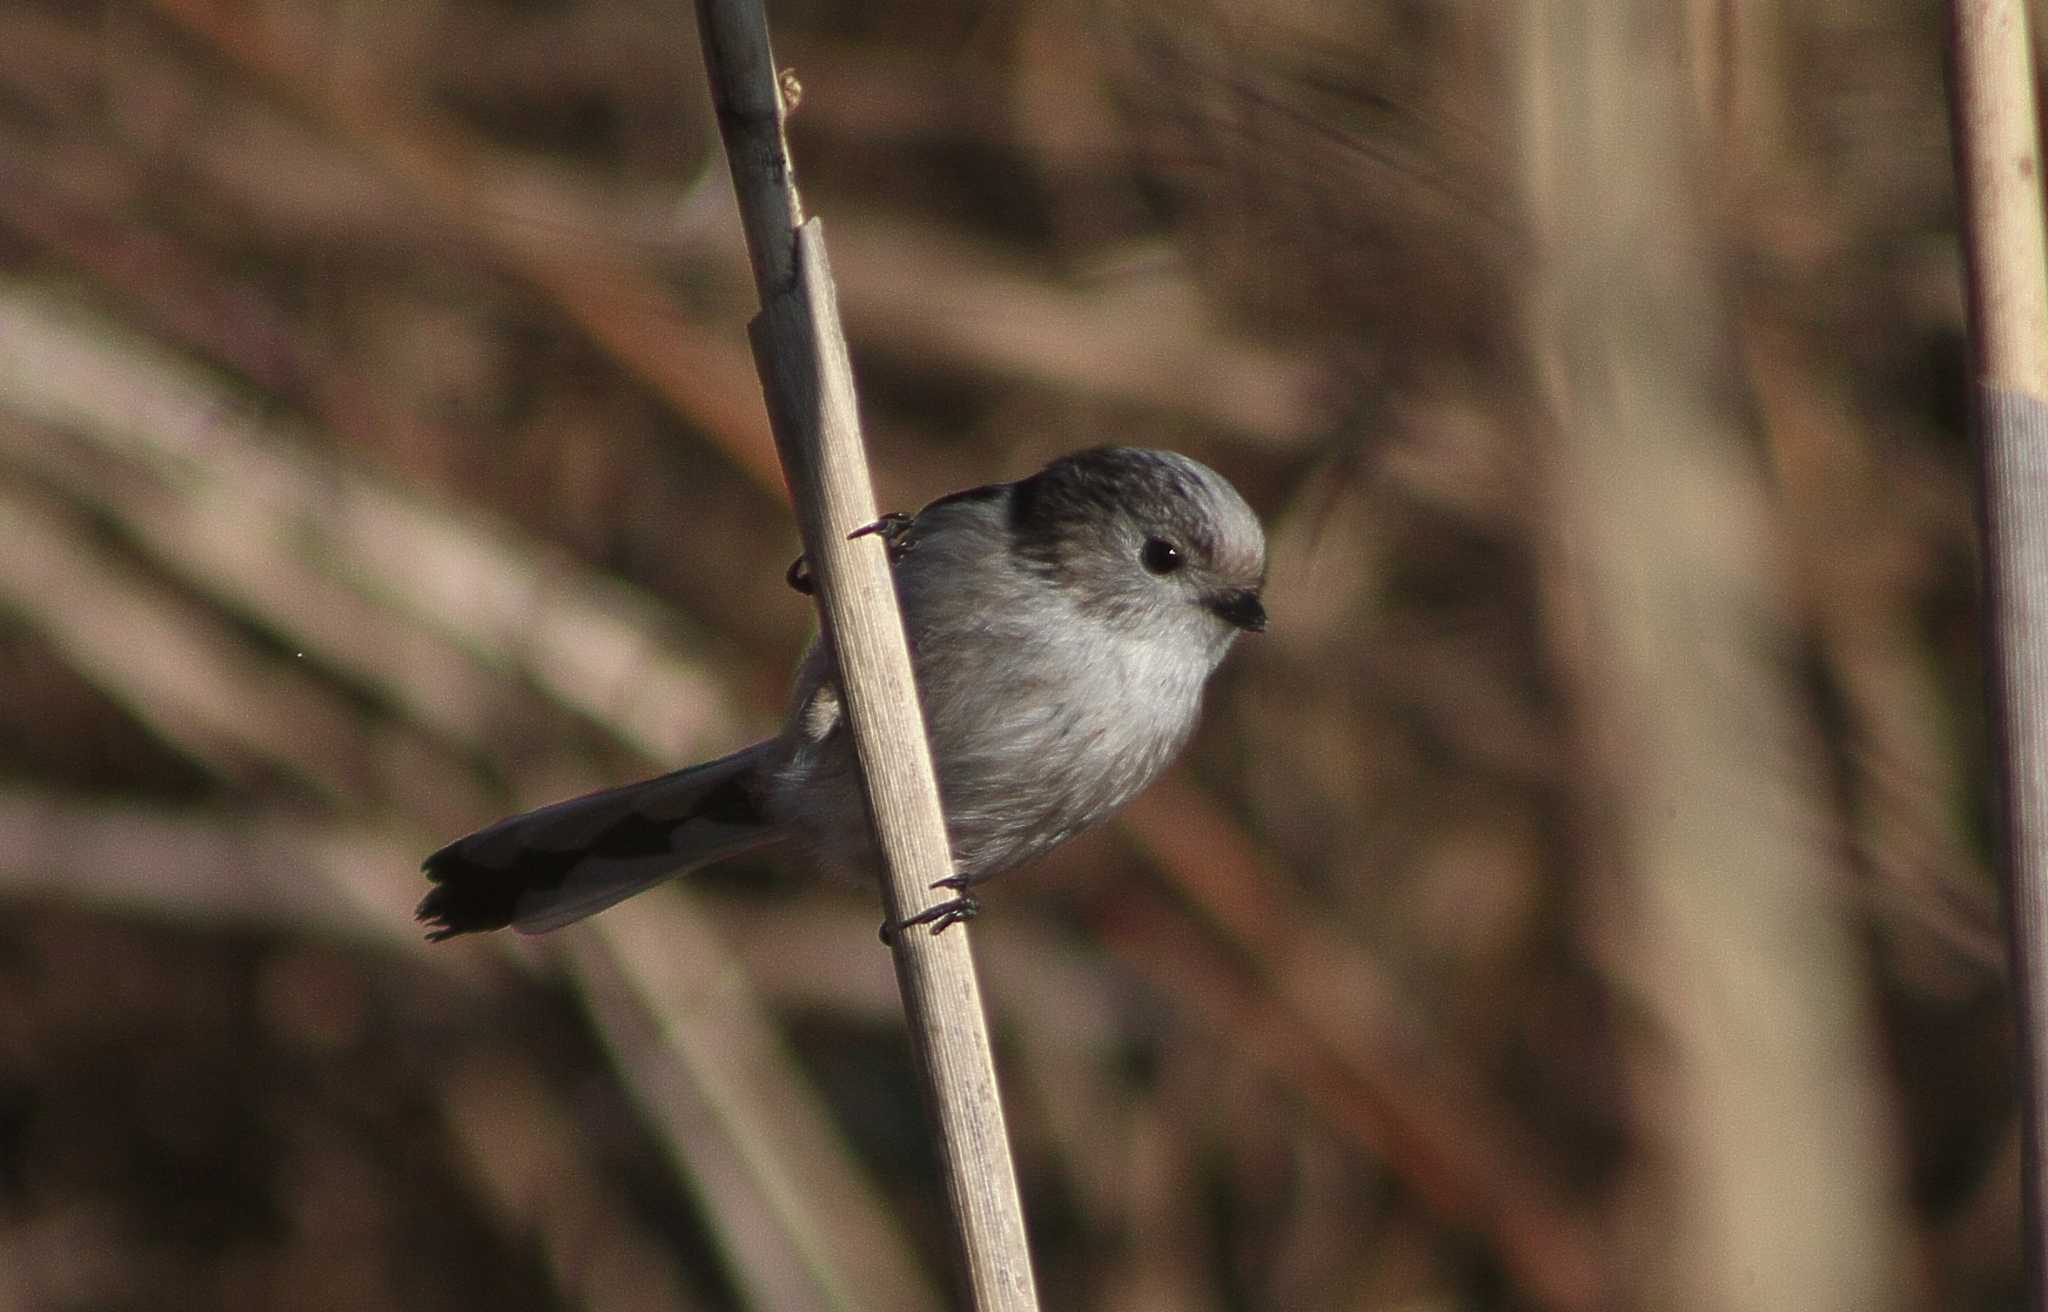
x: 1240, y: 606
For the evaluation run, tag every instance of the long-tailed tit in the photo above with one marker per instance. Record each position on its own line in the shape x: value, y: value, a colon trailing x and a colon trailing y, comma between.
x: 1061, y: 627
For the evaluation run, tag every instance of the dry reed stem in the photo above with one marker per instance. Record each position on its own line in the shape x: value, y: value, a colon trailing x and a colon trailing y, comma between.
x: 1998, y: 159
x: 1400, y: 1095
x: 1417, y: 1130
x: 802, y: 1226
x: 1700, y: 792
x: 222, y: 501
x: 269, y: 872
x: 801, y: 352
x: 620, y: 305
x: 521, y: 1144
x: 267, y: 502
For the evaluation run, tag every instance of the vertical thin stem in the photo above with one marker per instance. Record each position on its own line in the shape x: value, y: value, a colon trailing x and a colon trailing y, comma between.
x: 801, y: 354
x: 1998, y: 167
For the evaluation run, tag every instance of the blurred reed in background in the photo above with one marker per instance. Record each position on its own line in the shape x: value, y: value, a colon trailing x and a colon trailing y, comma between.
x: 1577, y: 900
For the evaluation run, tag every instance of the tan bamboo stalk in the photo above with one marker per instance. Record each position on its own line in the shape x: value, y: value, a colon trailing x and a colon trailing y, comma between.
x: 801, y: 355
x: 1998, y: 168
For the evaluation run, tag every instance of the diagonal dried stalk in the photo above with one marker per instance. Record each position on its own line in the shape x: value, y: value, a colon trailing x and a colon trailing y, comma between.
x: 232, y: 506
x: 1998, y: 163
x: 801, y: 354
x: 227, y: 500
x: 696, y: 1047
x: 617, y: 303
x: 1406, y: 1098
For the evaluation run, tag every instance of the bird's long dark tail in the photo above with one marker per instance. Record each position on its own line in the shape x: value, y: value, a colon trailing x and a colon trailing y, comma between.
x: 544, y: 869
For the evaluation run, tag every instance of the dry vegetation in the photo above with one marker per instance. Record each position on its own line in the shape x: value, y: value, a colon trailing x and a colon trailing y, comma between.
x: 1578, y: 899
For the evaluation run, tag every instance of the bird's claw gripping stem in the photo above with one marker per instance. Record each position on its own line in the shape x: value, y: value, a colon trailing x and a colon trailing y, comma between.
x: 939, y: 915
x: 894, y: 530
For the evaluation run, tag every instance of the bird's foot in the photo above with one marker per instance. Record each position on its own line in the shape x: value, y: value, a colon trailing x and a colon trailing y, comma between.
x: 939, y: 915
x: 894, y: 530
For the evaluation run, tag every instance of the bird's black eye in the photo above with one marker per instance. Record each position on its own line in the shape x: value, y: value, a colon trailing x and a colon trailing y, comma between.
x: 1160, y: 556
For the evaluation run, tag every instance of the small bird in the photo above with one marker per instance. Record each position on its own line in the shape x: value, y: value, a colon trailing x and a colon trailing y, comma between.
x: 1062, y: 628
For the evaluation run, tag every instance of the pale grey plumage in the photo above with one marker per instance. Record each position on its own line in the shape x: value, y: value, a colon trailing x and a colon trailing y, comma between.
x: 1062, y: 629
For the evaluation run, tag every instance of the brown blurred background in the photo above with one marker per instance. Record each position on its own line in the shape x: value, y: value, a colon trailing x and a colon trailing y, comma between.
x: 1578, y: 900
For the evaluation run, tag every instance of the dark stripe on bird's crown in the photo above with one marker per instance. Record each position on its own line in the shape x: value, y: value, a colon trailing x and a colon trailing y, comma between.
x: 1104, y: 485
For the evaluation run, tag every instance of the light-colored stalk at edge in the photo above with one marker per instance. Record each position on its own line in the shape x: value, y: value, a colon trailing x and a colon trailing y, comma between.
x: 1998, y: 157
x: 1998, y: 167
